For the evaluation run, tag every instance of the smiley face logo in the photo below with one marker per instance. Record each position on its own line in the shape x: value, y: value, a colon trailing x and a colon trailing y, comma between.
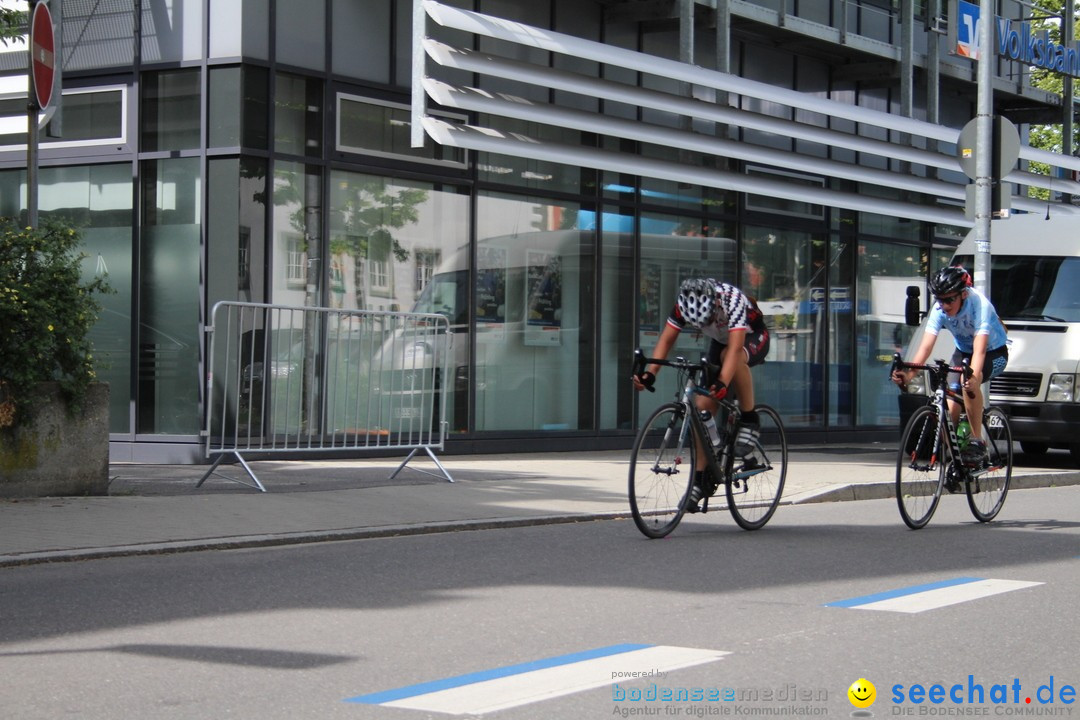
x: 862, y: 693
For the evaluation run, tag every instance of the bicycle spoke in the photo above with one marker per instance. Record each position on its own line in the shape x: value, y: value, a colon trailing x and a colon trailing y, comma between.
x: 987, y: 489
x: 920, y: 473
x: 757, y: 481
x: 661, y: 470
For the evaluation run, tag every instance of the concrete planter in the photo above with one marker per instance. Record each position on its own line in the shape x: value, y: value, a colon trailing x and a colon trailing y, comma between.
x: 54, y: 454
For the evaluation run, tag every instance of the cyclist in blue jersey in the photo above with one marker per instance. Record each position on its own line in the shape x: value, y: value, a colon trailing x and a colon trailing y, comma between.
x: 730, y: 319
x: 980, y: 339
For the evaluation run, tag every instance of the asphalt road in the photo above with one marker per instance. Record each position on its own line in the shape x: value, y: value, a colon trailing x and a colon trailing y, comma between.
x: 299, y: 632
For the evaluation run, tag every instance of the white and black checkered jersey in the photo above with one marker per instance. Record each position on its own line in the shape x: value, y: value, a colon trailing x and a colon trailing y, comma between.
x: 735, y: 311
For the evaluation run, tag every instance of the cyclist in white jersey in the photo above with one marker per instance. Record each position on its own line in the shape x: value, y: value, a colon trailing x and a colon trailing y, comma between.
x: 730, y: 319
x: 980, y: 339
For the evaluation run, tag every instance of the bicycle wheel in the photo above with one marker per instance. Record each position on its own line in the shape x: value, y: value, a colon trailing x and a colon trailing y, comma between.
x: 757, y: 480
x: 920, y: 468
x: 986, y: 490
x: 661, y: 471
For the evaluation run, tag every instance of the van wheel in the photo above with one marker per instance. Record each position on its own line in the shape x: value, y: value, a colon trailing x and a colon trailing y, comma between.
x: 1034, y: 448
x: 1074, y: 450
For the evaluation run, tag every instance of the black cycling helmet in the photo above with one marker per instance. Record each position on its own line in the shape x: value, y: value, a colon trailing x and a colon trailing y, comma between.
x: 950, y: 280
x: 697, y: 301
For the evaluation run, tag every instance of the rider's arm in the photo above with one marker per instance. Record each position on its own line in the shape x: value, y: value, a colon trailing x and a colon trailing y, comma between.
x: 736, y: 340
x: 661, y: 350
x: 664, y: 345
x: 978, y: 357
x: 926, y: 346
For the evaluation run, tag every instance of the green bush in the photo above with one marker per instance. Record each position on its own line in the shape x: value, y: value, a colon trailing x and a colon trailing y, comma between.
x: 46, y: 313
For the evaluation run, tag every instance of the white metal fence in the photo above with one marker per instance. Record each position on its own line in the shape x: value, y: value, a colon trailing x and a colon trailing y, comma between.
x: 290, y: 380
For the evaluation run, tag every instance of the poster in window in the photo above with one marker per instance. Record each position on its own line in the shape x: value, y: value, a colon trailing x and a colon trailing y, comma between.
x: 491, y: 294
x: 543, y: 300
x: 650, y: 305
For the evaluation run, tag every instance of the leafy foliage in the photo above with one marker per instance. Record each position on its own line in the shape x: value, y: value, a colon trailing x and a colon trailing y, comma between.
x: 1047, y: 137
x: 12, y: 23
x: 46, y: 313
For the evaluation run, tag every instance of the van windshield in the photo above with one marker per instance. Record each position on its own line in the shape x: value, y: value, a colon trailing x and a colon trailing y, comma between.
x: 1033, y: 288
x: 445, y: 294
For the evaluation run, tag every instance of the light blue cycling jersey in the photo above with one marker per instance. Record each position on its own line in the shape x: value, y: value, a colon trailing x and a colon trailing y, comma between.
x: 977, y: 316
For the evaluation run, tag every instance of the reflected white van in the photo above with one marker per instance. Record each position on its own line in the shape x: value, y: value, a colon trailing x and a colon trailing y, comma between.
x: 1035, y: 287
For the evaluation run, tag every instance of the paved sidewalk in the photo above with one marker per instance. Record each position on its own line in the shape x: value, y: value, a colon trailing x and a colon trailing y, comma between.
x: 157, y: 508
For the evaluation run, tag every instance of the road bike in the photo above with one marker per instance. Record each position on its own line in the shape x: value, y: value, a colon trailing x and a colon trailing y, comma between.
x: 665, y: 457
x: 930, y: 454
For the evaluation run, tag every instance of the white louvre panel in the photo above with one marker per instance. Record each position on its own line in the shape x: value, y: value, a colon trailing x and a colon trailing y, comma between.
x: 522, y: 109
x: 539, y: 38
x: 484, y: 64
x: 488, y: 140
x: 951, y: 193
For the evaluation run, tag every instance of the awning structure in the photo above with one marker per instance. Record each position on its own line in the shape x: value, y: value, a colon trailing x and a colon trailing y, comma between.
x: 923, y: 195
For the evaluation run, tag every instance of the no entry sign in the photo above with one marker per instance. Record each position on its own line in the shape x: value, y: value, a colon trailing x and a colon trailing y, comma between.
x: 42, y: 54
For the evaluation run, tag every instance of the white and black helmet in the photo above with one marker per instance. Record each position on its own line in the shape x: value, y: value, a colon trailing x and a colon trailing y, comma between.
x: 697, y: 301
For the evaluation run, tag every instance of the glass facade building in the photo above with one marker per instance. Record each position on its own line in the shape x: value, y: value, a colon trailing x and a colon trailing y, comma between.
x: 259, y: 150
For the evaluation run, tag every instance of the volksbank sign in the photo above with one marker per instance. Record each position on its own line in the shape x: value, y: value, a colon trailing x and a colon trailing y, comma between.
x: 1015, y: 40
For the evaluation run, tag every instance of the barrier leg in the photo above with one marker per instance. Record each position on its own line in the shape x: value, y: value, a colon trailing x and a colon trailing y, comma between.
x: 442, y: 471
x: 247, y: 468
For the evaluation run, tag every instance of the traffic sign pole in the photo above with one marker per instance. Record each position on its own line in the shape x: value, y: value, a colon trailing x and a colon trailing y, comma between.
x: 40, y: 69
x: 984, y: 146
x: 31, y: 154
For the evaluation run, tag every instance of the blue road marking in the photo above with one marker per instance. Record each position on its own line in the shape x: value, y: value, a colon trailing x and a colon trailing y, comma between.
x: 386, y: 696
x: 901, y: 592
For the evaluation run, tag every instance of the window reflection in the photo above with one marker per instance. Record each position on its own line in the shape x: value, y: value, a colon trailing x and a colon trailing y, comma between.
x: 168, y: 334
x: 533, y: 309
x: 298, y: 115
x: 884, y: 272
x: 98, y: 200
x: 170, y: 110
x: 785, y: 271
x: 397, y: 245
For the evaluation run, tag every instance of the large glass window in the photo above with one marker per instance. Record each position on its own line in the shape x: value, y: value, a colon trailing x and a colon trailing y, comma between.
x: 236, y: 230
x: 529, y: 173
x: 170, y: 110
x: 240, y: 28
x: 171, y: 31
x: 296, y: 265
x: 785, y: 271
x: 301, y: 34
x: 97, y: 199
x: 403, y: 246
x: 298, y: 115
x: 533, y: 296
x: 361, y: 43
x: 884, y: 272
x: 90, y: 117
x: 619, y: 293
x: 379, y: 128
x: 674, y: 248
x: 169, y: 281
x: 238, y: 107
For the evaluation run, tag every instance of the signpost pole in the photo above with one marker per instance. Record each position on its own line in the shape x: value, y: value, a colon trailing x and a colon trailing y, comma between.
x: 31, y: 129
x: 41, y: 75
x: 32, y: 160
x: 984, y: 146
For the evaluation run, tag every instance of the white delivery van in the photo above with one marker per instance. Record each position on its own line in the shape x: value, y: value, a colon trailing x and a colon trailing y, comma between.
x: 1035, y: 287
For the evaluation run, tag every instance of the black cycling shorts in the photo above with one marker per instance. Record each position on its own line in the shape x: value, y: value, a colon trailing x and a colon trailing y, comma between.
x: 756, y: 347
x: 993, y: 365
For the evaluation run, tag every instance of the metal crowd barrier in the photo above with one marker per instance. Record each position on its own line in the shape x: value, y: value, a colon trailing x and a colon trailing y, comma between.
x: 289, y: 380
